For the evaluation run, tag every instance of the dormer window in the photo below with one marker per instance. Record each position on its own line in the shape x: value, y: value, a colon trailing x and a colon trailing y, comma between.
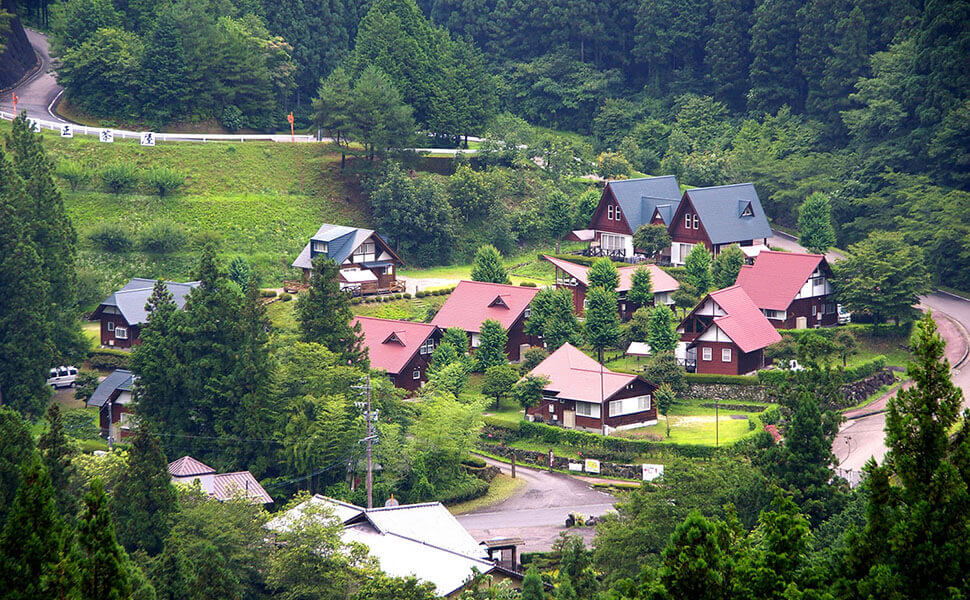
x: 320, y: 247
x: 394, y: 339
x: 499, y: 302
x: 747, y: 211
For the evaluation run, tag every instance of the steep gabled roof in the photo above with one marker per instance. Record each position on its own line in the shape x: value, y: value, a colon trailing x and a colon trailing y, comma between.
x: 119, y: 379
x: 221, y: 486
x: 775, y: 278
x: 744, y: 323
x: 638, y: 198
x: 662, y: 282
x: 391, y: 344
x: 575, y: 376
x: 473, y: 302
x: 721, y: 207
x: 341, y: 242
x: 189, y: 467
x: 132, y: 298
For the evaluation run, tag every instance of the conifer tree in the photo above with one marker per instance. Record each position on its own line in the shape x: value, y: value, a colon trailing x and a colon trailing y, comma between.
x: 17, y: 446
x: 170, y: 571
x: 324, y: 314
x: 558, y: 216
x: 662, y: 336
x: 488, y: 266
x: 602, y: 327
x: 163, y: 70
x: 491, y: 348
x: 532, y: 588
x: 35, y: 559
x: 443, y: 355
x: 695, y: 561
x: 539, y: 311
x: 457, y: 338
x: 25, y: 342
x: 815, y: 230
x: 56, y: 451
x: 726, y: 266
x: 103, y: 563
x: 53, y: 234
x: 698, y: 266
x: 561, y: 325
x: 664, y: 397
x: 641, y: 287
x: 603, y: 274
x: 144, y: 501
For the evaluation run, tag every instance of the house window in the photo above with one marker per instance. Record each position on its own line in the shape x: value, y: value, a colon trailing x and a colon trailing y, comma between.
x: 830, y: 308
x: 609, y: 212
x: 527, y: 313
x: 747, y: 212
x: 707, y: 354
x: 552, y: 408
x: 416, y: 374
x: 725, y: 355
x: 697, y: 222
x: 628, y: 406
x: 428, y: 346
x: 616, y: 213
x: 814, y: 310
x: 611, y: 242
x: 778, y: 315
x: 476, y: 342
x: 111, y: 326
x: 687, y: 221
x: 588, y: 409
x: 121, y: 333
x: 320, y: 247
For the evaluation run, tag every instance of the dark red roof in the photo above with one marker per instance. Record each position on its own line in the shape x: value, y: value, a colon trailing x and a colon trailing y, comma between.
x: 743, y: 322
x: 391, y: 344
x: 473, y: 302
x: 576, y: 376
x: 188, y: 466
x: 775, y: 278
x: 661, y: 281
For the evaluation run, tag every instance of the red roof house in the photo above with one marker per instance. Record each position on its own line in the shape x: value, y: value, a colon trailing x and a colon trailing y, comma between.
x: 401, y: 348
x: 582, y: 394
x: 575, y: 277
x: 221, y: 486
x: 726, y: 333
x: 474, y: 302
x: 792, y: 289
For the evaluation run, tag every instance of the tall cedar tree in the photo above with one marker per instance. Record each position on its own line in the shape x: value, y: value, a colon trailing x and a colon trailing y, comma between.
x: 53, y: 235
x: 695, y: 561
x: 18, y: 446
x: 170, y: 571
x: 163, y: 70
x: 662, y: 336
x: 379, y: 119
x: 103, y: 563
x: 602, y: 320
x: 35, y: 546
x: 492, y: 340
x: 726, y: 266
x: 641, y: 287
x: 558, y: 215
x: 774, y: 42
x: 603, y: 274
x: 539, y: 312
x: 333, y: 109
x: 57, y: 451
x: 144, y: 501
x: 698, y: 267
x: 561, y: 325
x: 914, y: 542
x: 488, y: 266
x: 25, y: 340
x: 815, y: 230
x: 324, y: 314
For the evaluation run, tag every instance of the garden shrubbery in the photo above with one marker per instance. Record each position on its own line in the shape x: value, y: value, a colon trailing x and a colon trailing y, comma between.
x: 162, y: 237
x: 119, y: 178
x: 165, y: 180
x: 111, y: 238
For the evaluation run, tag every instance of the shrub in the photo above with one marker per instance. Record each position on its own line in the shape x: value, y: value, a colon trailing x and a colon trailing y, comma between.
x: 232, y: 118
x: 207, y: 238
x: 79, y: 424
x: 464, y: 489
x: 74, y: 173
x: 355, y: 300
x: 267, y: 293
x: 119, y: 178
x: 722, y: 379
x: 285, y: 297
x: 162, y: 238
x: 111, y: 238
x: 407, y: 295
x: 528, y: 284
x: 165, y: 180
x: 108, y: 360
x: 771, y: 415
x: 474, y: 461
x: 421, y: 294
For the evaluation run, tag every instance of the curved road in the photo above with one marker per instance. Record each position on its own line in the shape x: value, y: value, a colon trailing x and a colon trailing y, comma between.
x: 38, y: 93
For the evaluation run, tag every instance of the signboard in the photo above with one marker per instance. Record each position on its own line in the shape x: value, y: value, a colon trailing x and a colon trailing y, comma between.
x: 67, y: 131
x: 106, y: 136
x: 147, y: 138
x: 651, y: 472
x: 592, y: 465
x: 576, y: 467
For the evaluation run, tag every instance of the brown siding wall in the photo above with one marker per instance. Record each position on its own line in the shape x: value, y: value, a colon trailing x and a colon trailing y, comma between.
x: 803, y: 308
x: 640, y: 388
x: 601, y: 220
x: 680, y: 233
x: 517, y: 337
x: 716, y: 365
x: 108, y: 336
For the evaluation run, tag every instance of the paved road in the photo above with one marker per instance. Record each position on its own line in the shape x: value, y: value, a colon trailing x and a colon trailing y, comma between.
x: 40, y: 90
x: 537, y: 512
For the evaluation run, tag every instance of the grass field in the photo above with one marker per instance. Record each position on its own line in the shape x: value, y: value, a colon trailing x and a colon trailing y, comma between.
x: 691, y: 423
x: 501, y: 488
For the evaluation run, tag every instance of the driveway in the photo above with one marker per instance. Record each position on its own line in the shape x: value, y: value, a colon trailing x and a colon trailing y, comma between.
x: 38, y: 93
x: 538, y: 511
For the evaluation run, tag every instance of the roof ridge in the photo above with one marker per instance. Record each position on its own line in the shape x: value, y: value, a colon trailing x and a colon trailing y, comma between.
x: 508, y: 285
x: 402, y: 321
x: 402, y: 506
x: 715, y: 187
x: 437, y: 547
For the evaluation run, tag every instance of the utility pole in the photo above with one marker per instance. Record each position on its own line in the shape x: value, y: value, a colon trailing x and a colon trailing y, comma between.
x: 370, y: 417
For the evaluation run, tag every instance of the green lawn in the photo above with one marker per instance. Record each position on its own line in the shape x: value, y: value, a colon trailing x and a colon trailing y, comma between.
x: 282, y: 314
x: 499, y: 489
x: 524, y: 266
x: 690, y: 423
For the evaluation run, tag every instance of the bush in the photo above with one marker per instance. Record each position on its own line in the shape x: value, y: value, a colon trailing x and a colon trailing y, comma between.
x: 111, y: 238
x: 165, y: 180
x: 407, y: 295
x: 232, y: 118
x: 866, y: 369
x: 162, y: 238
x: 421, y: 294
x: 119, y: 178
x: 74, y: 173
x: 355, y: 300
x: 267, y: 293
x: 79, y: 424
x: 722, y: 379
x: 208, y: 238
x: 467, y: 488
x: 108, y: 360
x: 770, y: 415
x: 528, y: 284
x: 474, y: 462
x: 285, y: 297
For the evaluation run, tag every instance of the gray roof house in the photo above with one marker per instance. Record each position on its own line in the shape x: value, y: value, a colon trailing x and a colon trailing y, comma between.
x: 122, y: 313
x: 639, y: 198
x: 367, y: 263
x: 718, y: 217
x: 113, y: 397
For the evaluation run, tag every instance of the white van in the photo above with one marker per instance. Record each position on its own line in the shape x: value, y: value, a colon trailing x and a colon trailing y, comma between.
x: 845, y: 317
x: 62, y: 377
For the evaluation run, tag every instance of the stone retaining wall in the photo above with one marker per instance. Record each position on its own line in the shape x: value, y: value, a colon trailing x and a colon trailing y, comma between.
x: 729, y: 392
x: 541, y: 459
x: 858, y: 391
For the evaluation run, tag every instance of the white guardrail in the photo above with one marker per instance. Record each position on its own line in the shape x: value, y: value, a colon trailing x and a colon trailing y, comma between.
x: 148, y: 138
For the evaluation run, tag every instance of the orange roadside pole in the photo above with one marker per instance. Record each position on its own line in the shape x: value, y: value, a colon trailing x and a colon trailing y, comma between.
x: 15, y: 98
x: 289, y: 118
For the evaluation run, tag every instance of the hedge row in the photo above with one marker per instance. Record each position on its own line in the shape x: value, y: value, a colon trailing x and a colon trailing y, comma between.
x: 582, y: 260
x: 723, y: 379
x: 465, y: 489
x: 778, y: 376
x: 439, y: 292
x: 384, y: 298
x: 107, y: 359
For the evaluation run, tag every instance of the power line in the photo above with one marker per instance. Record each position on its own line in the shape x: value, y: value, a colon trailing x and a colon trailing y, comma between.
x: 336, y: 463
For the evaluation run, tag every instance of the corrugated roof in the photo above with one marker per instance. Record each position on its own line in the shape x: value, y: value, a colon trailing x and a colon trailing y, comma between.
x: 744, y: 323
x: 119, y: 379
x: 775, y: 278
x: 188, y: 467
x: 132, y: 298
x: 473, y: 302
x: 662, y: 282
x: 720, y: 209
x: 429, y: 522
x: 575, y: 376
x: 343, y: 511
x: 387, y: 354
x: 639, y: 197
x: 241, y: 483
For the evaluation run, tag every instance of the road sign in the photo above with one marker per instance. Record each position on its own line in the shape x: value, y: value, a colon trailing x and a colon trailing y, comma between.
x: 106, y: 136
x: 147, y: 138
x: 67, y: 131
x: 651, y: 472
x: 592, y: 465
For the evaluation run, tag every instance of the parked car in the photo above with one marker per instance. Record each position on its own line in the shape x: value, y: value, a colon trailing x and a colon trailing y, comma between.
x: 845, y: 316
x: 62, y: 377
